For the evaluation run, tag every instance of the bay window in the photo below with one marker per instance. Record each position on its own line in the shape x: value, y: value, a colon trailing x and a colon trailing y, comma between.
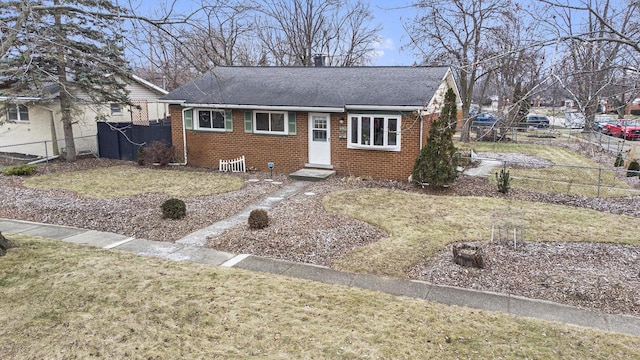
x: 374, y: 132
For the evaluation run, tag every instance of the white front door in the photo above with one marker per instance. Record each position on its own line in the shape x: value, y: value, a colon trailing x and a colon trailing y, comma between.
x: 319, y: 139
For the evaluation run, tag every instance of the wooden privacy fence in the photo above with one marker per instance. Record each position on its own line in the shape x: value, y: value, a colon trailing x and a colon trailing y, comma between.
x: 234, y: 165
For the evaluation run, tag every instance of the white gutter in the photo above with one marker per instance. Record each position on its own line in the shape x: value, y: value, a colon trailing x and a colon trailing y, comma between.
x: 184, y: 140
x: 344, y: 109
x: 265, y: 107
x: 19, y: 99
x: 384, y: 107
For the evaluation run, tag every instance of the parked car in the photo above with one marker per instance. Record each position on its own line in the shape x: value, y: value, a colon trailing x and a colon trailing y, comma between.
x: 539, y: 121
x: 601, y: 122
x: 624, y: 128
x: 631, y: 130
x: 574, y: 119
x: 484, y: 119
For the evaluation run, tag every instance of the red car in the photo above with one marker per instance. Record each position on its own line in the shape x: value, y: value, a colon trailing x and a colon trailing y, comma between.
x: 628, y: 129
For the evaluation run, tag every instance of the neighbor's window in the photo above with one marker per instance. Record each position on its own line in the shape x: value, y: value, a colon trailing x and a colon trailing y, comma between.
x: 18, y: 112
x: 210, y: 120
x: 116, y: 109
x: 270, y: 122
x: 374, y: 132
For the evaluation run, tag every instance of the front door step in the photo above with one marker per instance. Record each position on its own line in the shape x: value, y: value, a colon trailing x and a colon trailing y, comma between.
x: 312, y: 174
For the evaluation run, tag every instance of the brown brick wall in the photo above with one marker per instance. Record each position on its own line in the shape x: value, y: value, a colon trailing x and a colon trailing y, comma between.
x: 290, y: 153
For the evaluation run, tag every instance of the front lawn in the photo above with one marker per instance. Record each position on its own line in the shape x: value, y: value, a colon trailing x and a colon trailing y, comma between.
x: 126, y: 180
x: 61, y: 300
x: 420, y: 225
x: 574, y: 173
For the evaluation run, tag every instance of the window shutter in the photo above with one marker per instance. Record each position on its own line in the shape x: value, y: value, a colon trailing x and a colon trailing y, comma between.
x: 248, y: 121
x: 292, y: 123
x: 228, y: 120
x: 188, y: 119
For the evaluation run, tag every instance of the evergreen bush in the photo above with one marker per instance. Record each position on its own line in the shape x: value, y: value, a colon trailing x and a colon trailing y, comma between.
x: 20, y: 170
x: 504, y: 181
x: 633, y: 169
x: 619, y: 160
x: 258, y: 219
x: 174, y: 209
x: 438, y: 160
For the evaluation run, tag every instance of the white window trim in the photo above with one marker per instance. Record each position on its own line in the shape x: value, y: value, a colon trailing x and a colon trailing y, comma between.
x: 196, y: 121
x: 396, y: 147
x: 286, y: 122
x: 18, y: 120
x: 116, y: 113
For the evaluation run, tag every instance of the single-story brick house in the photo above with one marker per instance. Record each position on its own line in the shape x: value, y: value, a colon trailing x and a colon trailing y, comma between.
x: 360, y: 121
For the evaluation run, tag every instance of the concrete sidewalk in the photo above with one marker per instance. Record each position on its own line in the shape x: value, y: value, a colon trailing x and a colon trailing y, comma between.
x: 504, y: 303
x: 199, y: 238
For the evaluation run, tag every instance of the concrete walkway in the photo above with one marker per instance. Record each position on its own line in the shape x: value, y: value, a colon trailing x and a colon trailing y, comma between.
x: 199, y: 238
x: 504, y: 303
x: 484, y: 168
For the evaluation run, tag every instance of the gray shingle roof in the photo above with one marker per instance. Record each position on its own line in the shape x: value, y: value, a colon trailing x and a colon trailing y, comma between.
x: 313, y: 86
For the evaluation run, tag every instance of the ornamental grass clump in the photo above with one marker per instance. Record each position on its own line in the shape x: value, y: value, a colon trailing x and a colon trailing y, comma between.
x: 174, y: 209
x: 258, y: 219
x: 619, y: 160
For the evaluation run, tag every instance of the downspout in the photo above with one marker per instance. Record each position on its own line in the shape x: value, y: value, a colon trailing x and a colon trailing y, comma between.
x: 184, y: 140
x: 421, y: 126
x: 54, y: 136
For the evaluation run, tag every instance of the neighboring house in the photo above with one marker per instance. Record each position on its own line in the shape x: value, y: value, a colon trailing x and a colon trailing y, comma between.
x: 360, y: 121
x: 32, y: 126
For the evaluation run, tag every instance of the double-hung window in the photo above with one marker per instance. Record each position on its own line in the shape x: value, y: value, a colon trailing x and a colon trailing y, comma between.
x: 210, y: 120
x: 17, y: 112
x: 270, y: 122
x: 381, y: 132
x: 116, y: 109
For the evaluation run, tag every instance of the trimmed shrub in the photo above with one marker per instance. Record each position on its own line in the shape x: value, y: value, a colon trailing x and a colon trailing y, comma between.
x: 174, y: 209
x: 619, y: 160
x: 633, y: 169
x: 20, y: 170
x: 159, y: 152
x: 504, y: 181
x: 258, y: 219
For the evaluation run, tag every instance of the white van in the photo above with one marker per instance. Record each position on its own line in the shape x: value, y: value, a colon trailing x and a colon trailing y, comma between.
x: 574, y: 120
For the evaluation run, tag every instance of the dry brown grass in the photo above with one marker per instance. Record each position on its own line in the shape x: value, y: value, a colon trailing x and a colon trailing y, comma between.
x: 61, y: 300
x: 127, y: 180
x: 420, y: 225
x: 575, y: 174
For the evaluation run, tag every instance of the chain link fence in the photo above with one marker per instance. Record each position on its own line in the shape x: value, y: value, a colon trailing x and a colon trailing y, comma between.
x: 565, y: 178
x: 43, y: 151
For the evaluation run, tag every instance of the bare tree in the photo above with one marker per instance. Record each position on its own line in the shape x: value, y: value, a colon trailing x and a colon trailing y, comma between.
x: 293, y: 31
x: 455, y: 32
x: 600, y: 47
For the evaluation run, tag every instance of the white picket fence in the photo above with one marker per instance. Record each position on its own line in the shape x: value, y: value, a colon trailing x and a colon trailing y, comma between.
x: 234, y: 165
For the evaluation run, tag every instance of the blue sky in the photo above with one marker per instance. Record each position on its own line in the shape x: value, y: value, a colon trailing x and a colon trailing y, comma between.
x: 390, y: 14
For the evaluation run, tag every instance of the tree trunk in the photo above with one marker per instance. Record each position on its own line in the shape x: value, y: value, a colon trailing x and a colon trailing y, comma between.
x: 65, y: 98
